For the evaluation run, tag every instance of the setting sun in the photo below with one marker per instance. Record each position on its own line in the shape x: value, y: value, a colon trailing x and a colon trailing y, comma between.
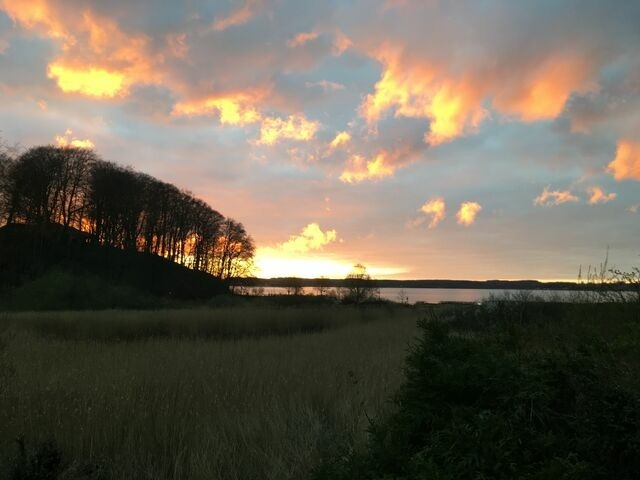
x: 272, y: 264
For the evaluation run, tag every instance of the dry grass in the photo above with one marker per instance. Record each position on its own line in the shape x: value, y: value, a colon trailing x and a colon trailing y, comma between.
x: 177, y: 401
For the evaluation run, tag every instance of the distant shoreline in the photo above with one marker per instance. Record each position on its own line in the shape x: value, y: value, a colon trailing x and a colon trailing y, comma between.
x: 459, y: 284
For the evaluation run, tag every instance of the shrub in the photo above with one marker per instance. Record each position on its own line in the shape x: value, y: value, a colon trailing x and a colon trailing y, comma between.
x: 477, y: 407
x: 44, y: 461
x: 62, y: 290
x: 6, y: 369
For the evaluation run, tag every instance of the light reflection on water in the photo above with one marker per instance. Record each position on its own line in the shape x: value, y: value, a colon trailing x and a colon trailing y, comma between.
x: 438, y: 295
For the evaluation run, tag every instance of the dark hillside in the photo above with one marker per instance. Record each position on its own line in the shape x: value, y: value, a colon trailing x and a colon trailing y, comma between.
x: 28, y: 252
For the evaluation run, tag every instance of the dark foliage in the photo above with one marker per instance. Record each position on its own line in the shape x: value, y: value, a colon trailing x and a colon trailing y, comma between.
x: 28, y: 252
x: 476, y: 406
x: 44, y: 461
x: 120, y: 208
x: 358, y: 287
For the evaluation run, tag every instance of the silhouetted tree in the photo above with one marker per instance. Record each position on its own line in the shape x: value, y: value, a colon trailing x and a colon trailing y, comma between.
x: 359, y: 287
x: 5, y: 167
x: 47, y: 185
x: 206, y: 230
x: 323, y: 287
x: 233, y: 252
x: 121, y: 208
x: 294, y: 286
x: 116, y: 205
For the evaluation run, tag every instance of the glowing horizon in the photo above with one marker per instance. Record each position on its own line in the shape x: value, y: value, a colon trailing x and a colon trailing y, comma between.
x: 413, y: 137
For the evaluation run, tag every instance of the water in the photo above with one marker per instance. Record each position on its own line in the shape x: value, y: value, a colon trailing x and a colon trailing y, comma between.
x: 438, y: 295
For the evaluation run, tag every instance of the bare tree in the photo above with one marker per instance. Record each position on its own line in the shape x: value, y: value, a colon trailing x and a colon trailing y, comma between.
x: 5, y: 195
x: 294, y: 286
x: 121, y: 208
x: 234, y: 251
x: 323, y: 287
x: 359, y: 287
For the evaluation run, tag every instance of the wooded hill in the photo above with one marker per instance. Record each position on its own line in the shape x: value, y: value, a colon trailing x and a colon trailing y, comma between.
x: 65, y: 206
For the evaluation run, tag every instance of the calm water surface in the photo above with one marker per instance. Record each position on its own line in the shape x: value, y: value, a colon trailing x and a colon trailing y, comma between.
x: 437, y: 295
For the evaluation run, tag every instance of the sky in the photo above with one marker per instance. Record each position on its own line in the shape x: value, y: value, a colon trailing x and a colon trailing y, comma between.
x: 421, y: 138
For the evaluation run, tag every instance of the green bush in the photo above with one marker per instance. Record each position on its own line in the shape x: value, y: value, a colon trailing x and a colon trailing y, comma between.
x: 6, y: 369
x: 44, y: 461
x: 476, y: 406
x: 61, y: 290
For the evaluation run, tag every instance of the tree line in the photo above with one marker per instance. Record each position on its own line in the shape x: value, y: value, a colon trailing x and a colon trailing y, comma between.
x: 120, y: 208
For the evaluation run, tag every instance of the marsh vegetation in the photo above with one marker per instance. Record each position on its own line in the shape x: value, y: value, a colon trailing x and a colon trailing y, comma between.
x: 222, y: 393
x: 512, y: 388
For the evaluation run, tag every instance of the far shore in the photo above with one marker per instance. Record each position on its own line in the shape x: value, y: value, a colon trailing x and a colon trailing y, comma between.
x: 457, y: 284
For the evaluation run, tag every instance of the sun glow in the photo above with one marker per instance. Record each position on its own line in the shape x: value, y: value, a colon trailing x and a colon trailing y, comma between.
x: 271, y: 263
x: 69, y: 140
x: 94, y: 82
x: 234, y: 108
x: 295, y: 127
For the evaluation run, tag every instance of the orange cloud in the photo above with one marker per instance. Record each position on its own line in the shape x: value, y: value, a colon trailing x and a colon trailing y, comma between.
x: 626, y: 164
x: 467, y: 213
x: 421, y: 90
x: 453, y: 102
x: 233, y: 108
x: 542, y: 94
x: 94, y: 82
x: 301, y: 38
x: 237, y: 17
x: 435, y: 208
x: 295, y: 127
x: 37, y: 14
x: 342, y: 138
x: 384, y: 163
x: 556, y: 197
x: 68, y: 140
x: 289, y: 259
x: 341, y: 44
x: 293, y: 258
x: 311, y: 238
x: 98, y: 58
x: 126, y: 53
x: 359, y: 168
x: 597, y: 195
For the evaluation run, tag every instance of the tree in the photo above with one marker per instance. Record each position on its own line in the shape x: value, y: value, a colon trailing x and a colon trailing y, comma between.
x: 5, y: 166
x: 233, y: 252
x: 359, y: 287
x: 73, y: 184
x: 116, y: 205
x: 46, y: 185
x: 120, y: 208
x: 323, y: 286
x: 294, y: 286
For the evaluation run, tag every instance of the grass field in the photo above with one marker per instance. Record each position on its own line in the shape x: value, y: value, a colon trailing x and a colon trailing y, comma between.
x: 226, y: 393
x: 259, y: 391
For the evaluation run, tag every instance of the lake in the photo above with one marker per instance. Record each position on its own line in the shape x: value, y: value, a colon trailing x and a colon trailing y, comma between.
x: 438, y: 295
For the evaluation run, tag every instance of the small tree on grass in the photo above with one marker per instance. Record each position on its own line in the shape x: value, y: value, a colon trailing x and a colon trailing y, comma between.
x: 323, y: 287
x: 294, y: 286
x: 359, y: 287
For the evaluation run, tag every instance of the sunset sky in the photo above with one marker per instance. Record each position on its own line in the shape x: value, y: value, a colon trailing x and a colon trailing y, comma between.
x: 423, y: 138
